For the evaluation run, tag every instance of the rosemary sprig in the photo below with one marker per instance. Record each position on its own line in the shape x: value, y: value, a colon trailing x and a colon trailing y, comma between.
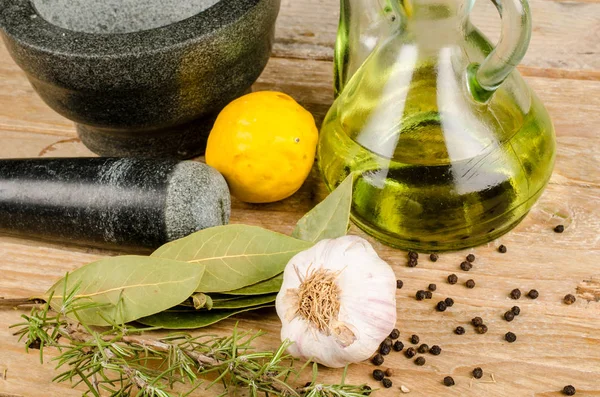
x: 121, y: 360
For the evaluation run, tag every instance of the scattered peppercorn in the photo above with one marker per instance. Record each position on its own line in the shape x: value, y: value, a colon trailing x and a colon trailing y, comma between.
x: 559, y: 229
x: 477, y: 321
x: 378, y: 374
x: 413, y: 255
x: 509, y: 316
x: 482, y: 329
x: 428, y: 295
x: 377, y: 359
x: 367, y: 390
x: 533, y: 294
x: 466, y: 266
x: 420, y: 361
x: 569, y: 299
x: 414, y: 339
x: 448, y: 381
x: 477, y: 373
x: 389, y: 372
x: 387, y: 383
x: 384, y: 350
x: 449, y: 302
x: 432, y: 287
x: 453, y: 279
x: 515, y: 293
x: 395, y: 334
x: 470, y: 284
x: 502, y: 249
x: 516, y: 310
x: 424, y: 348
x: 569, y: 390
x: 399, y: 284
x: 387, y: 341
x: 510, y: 337
x: 412, y: 263
x: 435, y: 350
x: 398, y: 346
x: 434, y: 257
x: 441, y: 306
x: 459, y: 331
x: 410, y: 352
x: 420, y: 295
x: 471, y: 258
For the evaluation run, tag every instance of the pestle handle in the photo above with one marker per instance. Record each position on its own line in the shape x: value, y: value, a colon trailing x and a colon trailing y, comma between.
x: 123, y: 202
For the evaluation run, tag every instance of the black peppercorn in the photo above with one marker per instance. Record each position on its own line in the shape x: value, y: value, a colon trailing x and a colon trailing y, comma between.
x: 377, y: 359
x: 395, y: 334
x: 533, y: 294
x: 471, y: 258
x: 510, y: 337
x: 435, y: 350
x: 414, y: 339
x: 398, y: 346
x: 516, y: 310
x: 569, y: 299
x: 459, y: 331
x: 424, y: 348
x: 477, y: 321
x: 387, y: 341
x: 502, y: 249
x: 477, y: 373
x: 367, y: 390
x: 378, y: 374
x: 466, y: 266
x: 482, y: 329
x: 389, y: 372
x: 385, y: 349
x: 420, y: 361
x: 515, y: 293
x: 399, y: 284
x: 509, y: 316
x: 569, y: 390
x: 432, y: 287
x: 434, y: 257
x: 420, y: 295
x: 410, y: 352
x: 453, y: 279
x: 449, y: 302
x: 441, y: 306
x: 470, y: 284
x: 559, y: 229
x: 428, y: 295
x: 412, y: 263
x: 387, y: 383
x: 413, y: 255
x: 448, y: 381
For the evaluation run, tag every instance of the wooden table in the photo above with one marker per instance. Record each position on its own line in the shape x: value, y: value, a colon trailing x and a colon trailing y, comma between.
x: 557, y: 344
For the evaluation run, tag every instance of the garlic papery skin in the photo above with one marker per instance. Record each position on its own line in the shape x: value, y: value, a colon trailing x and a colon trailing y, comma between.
x: 337, y: 302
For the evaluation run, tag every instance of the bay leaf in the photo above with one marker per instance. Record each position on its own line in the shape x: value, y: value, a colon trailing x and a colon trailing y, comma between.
x: 184, y: 318
x: 235, y: 256
x: 201, y: 301
x: 330, y: 218
x: 269, y: 286
x: 126, y: 288
x: 242, y: 302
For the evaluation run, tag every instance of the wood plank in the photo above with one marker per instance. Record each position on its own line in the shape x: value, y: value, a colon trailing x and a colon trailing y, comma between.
x: 566, y: 34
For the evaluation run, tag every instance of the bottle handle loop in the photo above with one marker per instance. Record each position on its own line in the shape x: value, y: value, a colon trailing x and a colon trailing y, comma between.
x: 485, y: 79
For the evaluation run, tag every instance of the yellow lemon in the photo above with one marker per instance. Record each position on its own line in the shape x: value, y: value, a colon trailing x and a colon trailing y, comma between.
x: 264, y: 144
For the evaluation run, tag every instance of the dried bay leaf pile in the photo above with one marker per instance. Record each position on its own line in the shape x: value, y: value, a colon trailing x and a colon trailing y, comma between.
x: 201, y: 279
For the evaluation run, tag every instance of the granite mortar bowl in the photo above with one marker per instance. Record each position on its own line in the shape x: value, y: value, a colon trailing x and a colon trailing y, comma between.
x: 140, y: 77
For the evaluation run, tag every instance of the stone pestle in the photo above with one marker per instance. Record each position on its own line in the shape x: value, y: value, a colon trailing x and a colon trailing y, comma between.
x: 123, y: 202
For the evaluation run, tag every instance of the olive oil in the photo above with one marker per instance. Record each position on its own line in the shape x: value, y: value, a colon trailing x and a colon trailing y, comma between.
x: 436, y: 173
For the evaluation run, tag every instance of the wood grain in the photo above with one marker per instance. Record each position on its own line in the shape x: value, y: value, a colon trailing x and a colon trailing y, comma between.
x: 557, y: 344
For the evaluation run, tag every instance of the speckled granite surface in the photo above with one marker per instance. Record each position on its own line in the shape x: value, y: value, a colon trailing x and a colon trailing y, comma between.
x: 110, y: 202
x: 146, y: 93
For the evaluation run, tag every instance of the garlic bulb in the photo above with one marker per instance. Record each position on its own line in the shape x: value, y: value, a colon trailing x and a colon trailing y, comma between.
x: 337, y: 302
